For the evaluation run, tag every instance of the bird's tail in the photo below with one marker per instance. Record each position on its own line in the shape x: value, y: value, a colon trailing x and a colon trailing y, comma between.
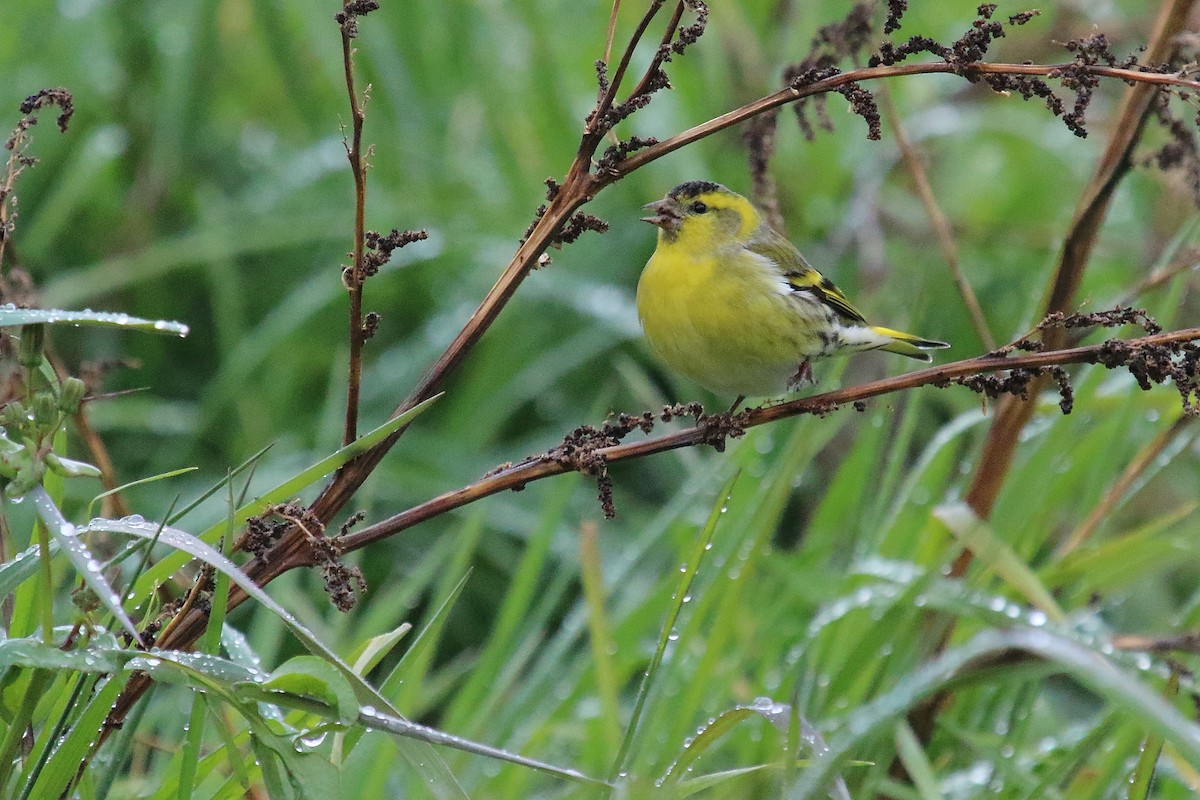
x: 908, y: 345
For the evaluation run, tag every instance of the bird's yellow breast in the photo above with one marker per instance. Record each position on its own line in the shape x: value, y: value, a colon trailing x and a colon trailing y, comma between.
x: 725, y: 319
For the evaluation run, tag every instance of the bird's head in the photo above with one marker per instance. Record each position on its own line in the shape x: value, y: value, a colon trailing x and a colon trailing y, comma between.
x: 703, y: 215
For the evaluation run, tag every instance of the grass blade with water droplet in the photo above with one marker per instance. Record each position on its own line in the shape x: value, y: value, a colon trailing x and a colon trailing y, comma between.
x: 88, y: 568
x: 688, y: 574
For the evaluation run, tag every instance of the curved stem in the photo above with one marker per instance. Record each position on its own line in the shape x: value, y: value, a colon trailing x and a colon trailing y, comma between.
x: 519, y: 475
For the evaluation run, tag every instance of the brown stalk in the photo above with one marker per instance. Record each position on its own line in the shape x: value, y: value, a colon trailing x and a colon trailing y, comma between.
x: 657, y: 61
x: 609, y: 95
x: 937, y: 221
x: 516, y: 477
x: 1013, y: 413
x: 791, y: 94
x: 355, y: 275
x: 519, y: 475
x: 1187, y: 261
x: 1120, y: 487
x: 612, y: 30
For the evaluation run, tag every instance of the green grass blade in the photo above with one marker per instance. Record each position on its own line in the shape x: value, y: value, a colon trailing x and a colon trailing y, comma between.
x: 10, y: 315
x: 974, y: 533
x: 601, y: 637
x: 140, y: 482
x: 1138, y: 701
x: 88, y: 568
x: 428, y: 763
x: 916, y: 763
x: 688, y: 574
x: 76, y: 746
x: 284, y: 491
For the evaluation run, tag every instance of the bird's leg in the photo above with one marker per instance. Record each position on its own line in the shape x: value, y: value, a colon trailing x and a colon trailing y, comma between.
x: 736, y: 403
x: 804, y: 374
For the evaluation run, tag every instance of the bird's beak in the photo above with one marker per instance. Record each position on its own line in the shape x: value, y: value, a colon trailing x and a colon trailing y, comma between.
x: 666, y: 215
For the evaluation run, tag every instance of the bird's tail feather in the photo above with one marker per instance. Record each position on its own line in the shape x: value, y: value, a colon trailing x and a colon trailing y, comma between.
x: 908, y: 345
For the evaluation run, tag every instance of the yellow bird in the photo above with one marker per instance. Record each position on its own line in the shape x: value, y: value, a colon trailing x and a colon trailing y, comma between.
x: 731, y: 304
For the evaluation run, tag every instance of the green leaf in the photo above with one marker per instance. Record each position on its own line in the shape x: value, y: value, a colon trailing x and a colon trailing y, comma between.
x: 427, y: 762
x: 73, y: 751
x: 688, y: 574
x: 88, y: 568
x: 308, y: 774
x: 11, y: 315
x: 975, y: 534
x: 314, y: 677
x: 15, y: 572
x: 368, y: 654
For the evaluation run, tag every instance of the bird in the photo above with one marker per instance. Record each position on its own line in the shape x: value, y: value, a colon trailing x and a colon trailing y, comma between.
x: 730, y: 303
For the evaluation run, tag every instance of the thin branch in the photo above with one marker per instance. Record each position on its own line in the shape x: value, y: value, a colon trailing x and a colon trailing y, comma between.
x: 826, y: 85
x: 661, y: 54
x: 939, y: 223
x: 1120, y: 487
x: 580, y: 186
x: 355, y: 275
x: 1012, y: 414
x: 609, y: 93
x: 612, y: 30
x: 519, y: 475
x: 1186, y: 262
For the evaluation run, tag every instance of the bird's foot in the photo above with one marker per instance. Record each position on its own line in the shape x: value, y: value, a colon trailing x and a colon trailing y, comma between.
x: 804, y: 374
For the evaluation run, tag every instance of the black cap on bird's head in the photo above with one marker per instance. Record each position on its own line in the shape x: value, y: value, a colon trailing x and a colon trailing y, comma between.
x: 691, y: 189
x: 669, y: 211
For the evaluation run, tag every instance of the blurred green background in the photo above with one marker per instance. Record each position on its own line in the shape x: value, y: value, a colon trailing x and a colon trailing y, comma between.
x: 204, y: 179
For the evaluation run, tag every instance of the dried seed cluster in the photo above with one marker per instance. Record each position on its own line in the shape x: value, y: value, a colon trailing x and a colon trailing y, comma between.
x: 343, y: 582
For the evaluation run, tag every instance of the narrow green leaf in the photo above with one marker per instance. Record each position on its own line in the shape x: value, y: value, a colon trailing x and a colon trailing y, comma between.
x: 21, y: 568
x: 688, y: 574
x: 64, y: 534
x: 974, y: 533
x: 161, y: 476
x: 428, y: 763
x: 11, y: 315
x: 283, y: 492
x: 912, y: 754
x: 315, y: 677
x: 1139, y: 702
x: 73, y: 751
x: 368, y: 654
x: 1143, y: 772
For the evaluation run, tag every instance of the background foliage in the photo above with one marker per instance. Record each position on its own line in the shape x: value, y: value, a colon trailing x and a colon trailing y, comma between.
x: 204, y: 179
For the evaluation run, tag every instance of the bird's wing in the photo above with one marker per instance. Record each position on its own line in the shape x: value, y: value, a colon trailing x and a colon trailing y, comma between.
x: 799, y: 274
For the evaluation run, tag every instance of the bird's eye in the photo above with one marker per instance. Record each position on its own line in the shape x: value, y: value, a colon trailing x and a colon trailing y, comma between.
x: 699, y: 207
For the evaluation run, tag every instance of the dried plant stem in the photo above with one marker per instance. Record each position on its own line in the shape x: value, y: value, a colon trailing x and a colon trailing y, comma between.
x: 668, y: 34
x: 791, y: 94
x: 1188, y: 261
x: 517, y: 476
x: 290, y: 556
x: 355, y: 275
x: 609, y: 95
x: 1077, y: 248
x: 6, y: 188
x: 1120, y: 487
x: 938, y: 221
x: 612, y: 30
